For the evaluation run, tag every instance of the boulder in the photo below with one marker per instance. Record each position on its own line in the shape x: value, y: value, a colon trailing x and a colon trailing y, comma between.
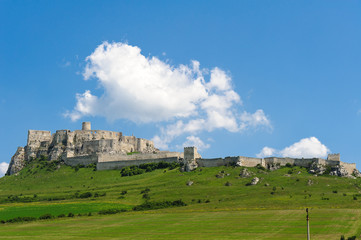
x: 245, y: 173
x: 254, y: 181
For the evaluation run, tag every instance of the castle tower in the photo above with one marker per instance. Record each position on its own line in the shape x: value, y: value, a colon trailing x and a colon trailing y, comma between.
x: 334, y: 157
x: 86, y: 126
x: 190, y: 158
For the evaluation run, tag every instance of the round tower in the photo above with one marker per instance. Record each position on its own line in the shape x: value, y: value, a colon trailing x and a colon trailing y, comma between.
x: 86, y: 126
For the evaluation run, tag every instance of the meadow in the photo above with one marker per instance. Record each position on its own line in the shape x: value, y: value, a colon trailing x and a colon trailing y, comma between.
x: 219, y: 204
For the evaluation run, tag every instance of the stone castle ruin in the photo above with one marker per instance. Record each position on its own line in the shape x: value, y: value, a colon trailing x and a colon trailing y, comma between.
x: 111, y: 150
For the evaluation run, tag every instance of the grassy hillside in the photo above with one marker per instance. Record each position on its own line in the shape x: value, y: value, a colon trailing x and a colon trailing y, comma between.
x: 216, y: 207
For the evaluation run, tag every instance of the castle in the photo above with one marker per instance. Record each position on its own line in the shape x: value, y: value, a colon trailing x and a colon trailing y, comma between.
x: 112, y: 150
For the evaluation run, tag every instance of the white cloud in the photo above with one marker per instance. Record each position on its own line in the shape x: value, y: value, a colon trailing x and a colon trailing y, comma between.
x: 3, y: 168
x: 257, y: 119
x: 266, y: 152
x: 307, y: 148
x: 145, y: 89
x: 197, y: 142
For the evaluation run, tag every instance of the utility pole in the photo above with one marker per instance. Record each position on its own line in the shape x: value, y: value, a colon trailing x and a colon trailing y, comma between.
x: 308, y: 225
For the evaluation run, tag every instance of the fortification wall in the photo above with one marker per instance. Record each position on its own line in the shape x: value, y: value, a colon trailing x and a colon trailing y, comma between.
x: 135, y: 157
x: 110, y: 165
x: 348, y: 166
x: 302, y: 162
x: 87, y: 135
x: 82, y: 160
x: 251, y: 162
x: 35, y: 137
x: 216, y: 162
x: 334, y: 157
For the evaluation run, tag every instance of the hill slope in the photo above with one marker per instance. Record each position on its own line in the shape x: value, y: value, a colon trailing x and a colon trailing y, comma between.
x: 275, y: 205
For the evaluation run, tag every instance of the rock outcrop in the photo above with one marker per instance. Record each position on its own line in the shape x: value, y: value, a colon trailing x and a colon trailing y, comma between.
x: 17, y: 161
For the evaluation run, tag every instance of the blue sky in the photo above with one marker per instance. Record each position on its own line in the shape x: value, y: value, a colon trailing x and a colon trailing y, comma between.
x: 231, y: 76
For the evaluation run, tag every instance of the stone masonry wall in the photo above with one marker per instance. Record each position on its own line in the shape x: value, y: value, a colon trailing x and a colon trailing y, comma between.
x: 109, y: 165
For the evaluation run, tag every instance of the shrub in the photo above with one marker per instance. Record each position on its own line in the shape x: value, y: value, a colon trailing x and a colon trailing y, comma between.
x: 146, y: 196
x: 289, y: 165
x: 147, y: 190
x: 70, y: 214
x: 46, y: 216
x: 61, y: 215
x: 19, y: 219
x: 228, y: 184
x: 158, y: 205
x: 334, y: 191
x: 124, y: 192
x: 259, y: 166
x: 111, y: 211
x: 147, y: 167
x: 85, y: 195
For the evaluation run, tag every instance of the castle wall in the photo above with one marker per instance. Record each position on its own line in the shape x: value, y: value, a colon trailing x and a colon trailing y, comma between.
x: 134, y: 157
x: 302, y: 162
x: 348, y: 166
x: 334, y: 157
x: 210, y: 162
x: 81, y: 160
x: 35, y: 137
x: 111, y: 165
x: 251, y: 162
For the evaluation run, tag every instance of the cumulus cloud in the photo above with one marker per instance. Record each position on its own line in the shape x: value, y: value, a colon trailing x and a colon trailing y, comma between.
x: 266, y: 152
x: 197, y: 142
x: 307, y: 148
x: 3, y: 168
x: 146, y: 89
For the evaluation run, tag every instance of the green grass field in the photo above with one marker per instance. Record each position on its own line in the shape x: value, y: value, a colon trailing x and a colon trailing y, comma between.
x: 272, y: 209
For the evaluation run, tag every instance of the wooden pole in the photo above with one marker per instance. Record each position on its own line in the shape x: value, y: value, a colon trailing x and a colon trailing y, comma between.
x: 308, y: 225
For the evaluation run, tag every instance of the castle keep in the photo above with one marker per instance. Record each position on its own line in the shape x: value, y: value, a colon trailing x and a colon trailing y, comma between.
x: 112, y: 150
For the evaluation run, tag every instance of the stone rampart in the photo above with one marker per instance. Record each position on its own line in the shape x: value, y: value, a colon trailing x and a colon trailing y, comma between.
x: 35, y: 137
x: 251, y: 162
x: 348, y: 166
x: 81, y: 160
x: 109, y: 165
x: 135, y: 157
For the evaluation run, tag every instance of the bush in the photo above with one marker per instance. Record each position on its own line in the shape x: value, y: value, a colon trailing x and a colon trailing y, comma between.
x: 19, y: 219
x: 228, y: 184
x: 259, y: 166
x: 46, y: 216
x: 147, y: 167
x: 86, y: 195
x: 70, y: 214
x: 158, y: 205
x: 61, y: 215
x: 334, y: 191
x: 147, y: 190
x: 124, y: 192
x: 289, y: 165
x: 146, y: 196
x: 111, y: 211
